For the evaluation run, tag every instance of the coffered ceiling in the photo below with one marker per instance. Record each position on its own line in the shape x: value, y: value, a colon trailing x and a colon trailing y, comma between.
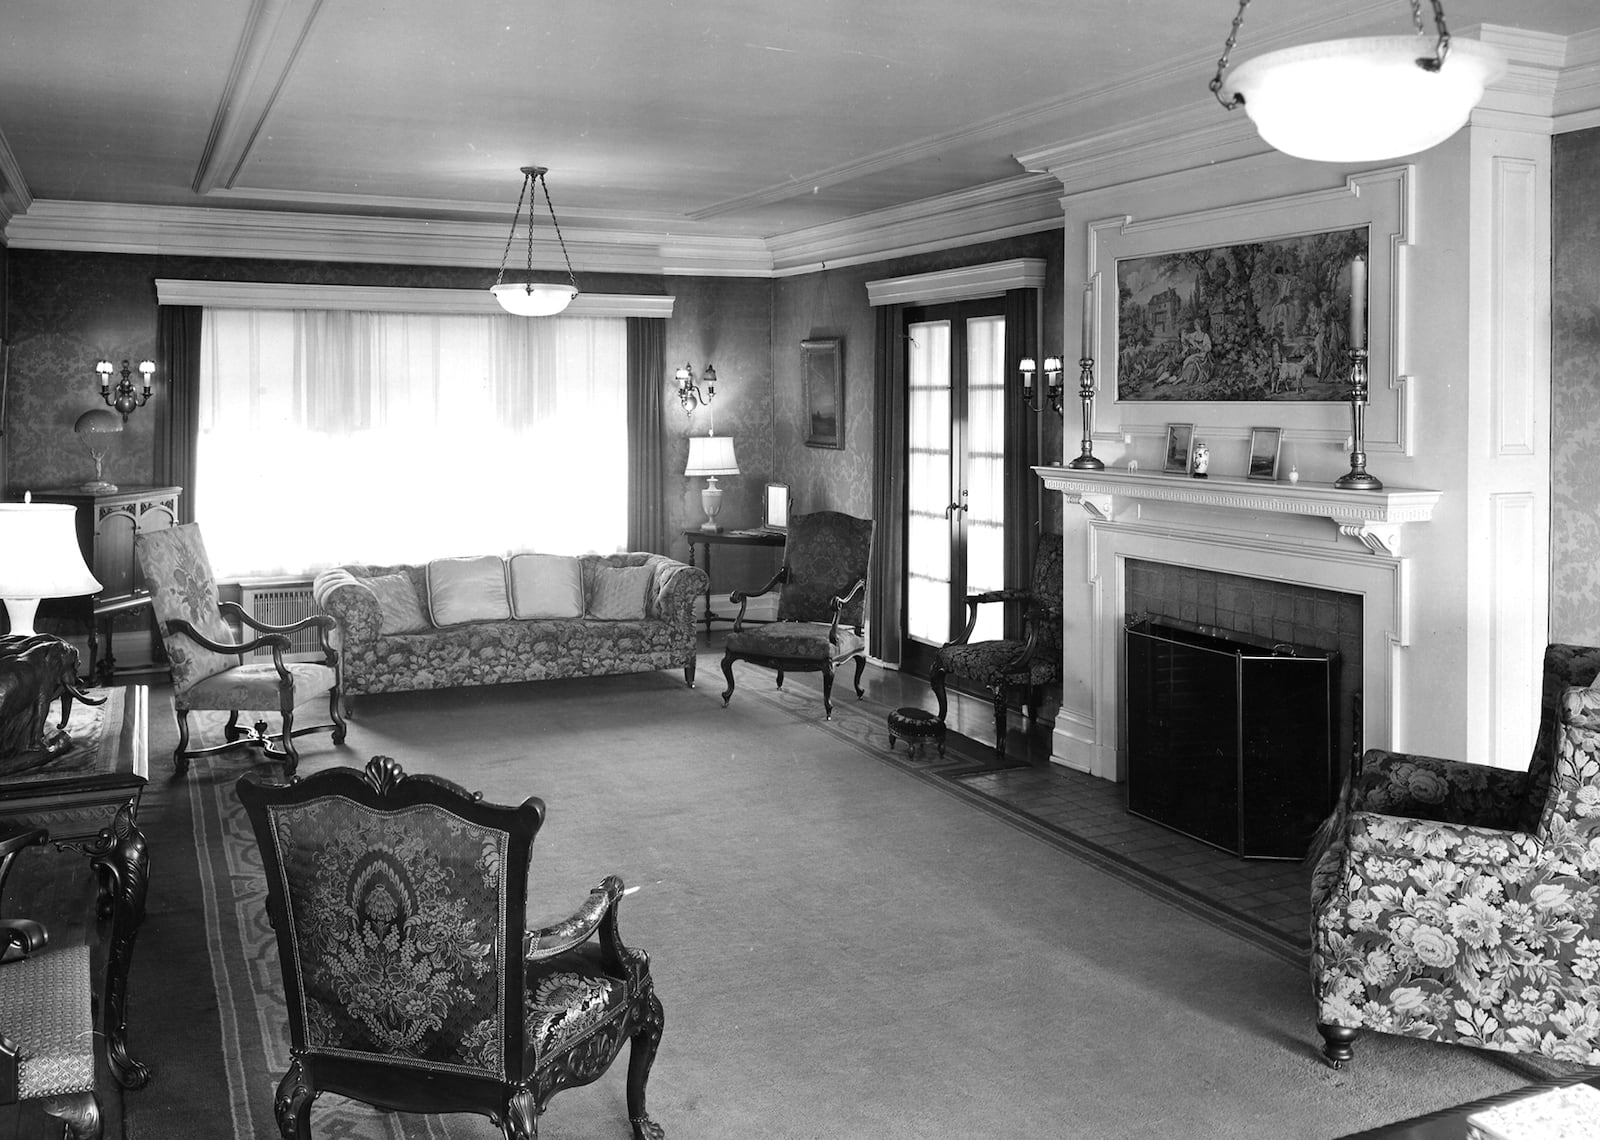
x: 720, y: 135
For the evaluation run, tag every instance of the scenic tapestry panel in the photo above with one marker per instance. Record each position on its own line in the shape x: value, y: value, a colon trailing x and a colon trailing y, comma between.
x: 1266, y: 320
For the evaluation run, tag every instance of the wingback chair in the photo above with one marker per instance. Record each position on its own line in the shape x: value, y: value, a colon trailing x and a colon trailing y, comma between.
x: 1002, y: 666
x: 208, y: 671
x: 410, y: 977
x: 821, y: 609
x: 1461, y: 903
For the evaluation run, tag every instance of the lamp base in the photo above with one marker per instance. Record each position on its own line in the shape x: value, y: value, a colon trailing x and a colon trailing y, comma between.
x: 1358, y: 481
x: 1086, y: 463
x: 98, y: 487
x: 711, y: 503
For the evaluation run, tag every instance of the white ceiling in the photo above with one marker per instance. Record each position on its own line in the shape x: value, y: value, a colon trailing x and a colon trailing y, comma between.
x: 746, y: 121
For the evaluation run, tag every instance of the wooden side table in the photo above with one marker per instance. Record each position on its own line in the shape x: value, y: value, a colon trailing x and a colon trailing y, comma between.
x: 88, y: 800
x: 710, y: 538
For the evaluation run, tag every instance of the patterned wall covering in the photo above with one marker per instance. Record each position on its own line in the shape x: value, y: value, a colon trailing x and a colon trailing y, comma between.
x: 1575, y: 399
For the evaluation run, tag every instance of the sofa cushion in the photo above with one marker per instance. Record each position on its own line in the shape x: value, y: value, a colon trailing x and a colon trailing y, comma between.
x: 467, y: 589
x: 397, y: 599
x: 546, y: 586
x: 619, y: 592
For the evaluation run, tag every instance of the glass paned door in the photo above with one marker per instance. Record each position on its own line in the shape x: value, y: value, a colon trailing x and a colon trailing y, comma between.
x: 955, y: 478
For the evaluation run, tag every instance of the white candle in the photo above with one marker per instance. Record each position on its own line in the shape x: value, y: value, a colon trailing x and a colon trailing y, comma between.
x: 1358, y: 303
x: 1088, y: 319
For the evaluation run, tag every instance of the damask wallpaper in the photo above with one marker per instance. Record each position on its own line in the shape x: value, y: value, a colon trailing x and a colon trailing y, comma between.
x: 1575, y: 397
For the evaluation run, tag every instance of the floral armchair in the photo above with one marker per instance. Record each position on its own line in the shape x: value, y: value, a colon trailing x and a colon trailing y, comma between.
x: 821, y: 608
x: 1461, y: 903
x: 208, y: 671
x: 1028, y: 663
x: 411, y: 980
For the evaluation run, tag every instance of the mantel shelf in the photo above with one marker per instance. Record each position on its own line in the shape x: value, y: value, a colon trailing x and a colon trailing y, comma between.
x: 1373, y: 517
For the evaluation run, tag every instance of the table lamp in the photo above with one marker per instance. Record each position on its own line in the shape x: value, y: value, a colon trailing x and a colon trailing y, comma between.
x: 39, y: 558
x: 94, y: 428
x: 711, y: 455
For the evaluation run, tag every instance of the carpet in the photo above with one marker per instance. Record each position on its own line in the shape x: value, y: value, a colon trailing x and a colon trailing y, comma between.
x: 842, y: 951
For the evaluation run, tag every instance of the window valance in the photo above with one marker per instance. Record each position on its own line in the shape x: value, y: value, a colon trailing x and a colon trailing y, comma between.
x: 386, y: 299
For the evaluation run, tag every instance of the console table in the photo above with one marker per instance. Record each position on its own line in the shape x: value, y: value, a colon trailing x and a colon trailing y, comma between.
x: 710, y: 538
x: 87, y: 798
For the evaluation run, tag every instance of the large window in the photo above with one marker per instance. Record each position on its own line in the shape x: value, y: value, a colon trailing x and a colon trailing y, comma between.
x: 330, y: 437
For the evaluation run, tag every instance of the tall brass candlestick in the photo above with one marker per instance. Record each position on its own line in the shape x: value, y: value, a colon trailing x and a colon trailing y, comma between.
x: 1087, y: 461
x: 1357, y: 479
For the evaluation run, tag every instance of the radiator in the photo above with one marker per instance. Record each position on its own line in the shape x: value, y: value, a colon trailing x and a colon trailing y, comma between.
x: 282, y: 605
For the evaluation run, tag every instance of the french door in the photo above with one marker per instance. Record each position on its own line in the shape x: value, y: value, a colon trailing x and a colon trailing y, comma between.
x: 956, y: 508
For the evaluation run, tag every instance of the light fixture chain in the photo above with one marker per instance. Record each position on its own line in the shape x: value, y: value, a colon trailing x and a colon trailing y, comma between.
x: 563, y: 241
x: 512, y: 236
x: 1222, y: 63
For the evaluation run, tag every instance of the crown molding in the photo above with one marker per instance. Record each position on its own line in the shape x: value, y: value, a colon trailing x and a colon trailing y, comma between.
x: 387, y: 299
x: 15, y: 197
x: 968, y: 282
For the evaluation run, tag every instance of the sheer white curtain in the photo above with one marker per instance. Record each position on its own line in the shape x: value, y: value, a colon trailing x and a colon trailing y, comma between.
x: 329, y: 437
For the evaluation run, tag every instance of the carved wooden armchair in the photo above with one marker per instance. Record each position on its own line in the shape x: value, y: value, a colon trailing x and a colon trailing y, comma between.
x: 821, y: 608
x: 1459, y: 902
x: 1006, y: 665
x: 208, y: 671
x: 47, y: 1039
x: 411, y: 980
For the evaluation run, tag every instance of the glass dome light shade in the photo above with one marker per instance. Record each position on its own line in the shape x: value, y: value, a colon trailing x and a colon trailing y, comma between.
x: 532, y: 299
x: 1362, y: 100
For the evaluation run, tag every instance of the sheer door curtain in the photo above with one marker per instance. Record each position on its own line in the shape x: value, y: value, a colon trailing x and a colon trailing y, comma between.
x: 331, y: 437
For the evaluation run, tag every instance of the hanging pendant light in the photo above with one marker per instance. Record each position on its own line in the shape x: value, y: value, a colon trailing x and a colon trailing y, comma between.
x: 1360, y: 100
x: 533, y: 298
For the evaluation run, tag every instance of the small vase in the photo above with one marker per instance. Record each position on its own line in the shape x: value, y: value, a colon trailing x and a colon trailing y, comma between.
x: 1202, y: 460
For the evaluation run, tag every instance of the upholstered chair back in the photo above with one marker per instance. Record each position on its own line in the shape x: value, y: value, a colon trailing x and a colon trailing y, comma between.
x: 178, y: 576
x: 1047, y: 584
x: 826, y: 553
x: 1564, y: 666
x: 399, y: 914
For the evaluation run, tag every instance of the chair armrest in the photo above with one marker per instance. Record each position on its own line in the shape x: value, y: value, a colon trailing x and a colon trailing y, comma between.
x: 1009, y: 594
x: 1409, y: 838
x: 742, y: 597
x: 839, y: 602
x: 276, y: 641
x: 576, y: 929
x: 322, y: 623
x: 1432, y: 788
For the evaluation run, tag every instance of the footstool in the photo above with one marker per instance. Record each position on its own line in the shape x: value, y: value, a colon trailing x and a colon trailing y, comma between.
x: 915, y: 726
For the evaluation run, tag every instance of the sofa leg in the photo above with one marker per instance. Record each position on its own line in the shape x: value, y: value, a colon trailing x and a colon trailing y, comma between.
x: 688, y: 670
x: 1336, y: 1043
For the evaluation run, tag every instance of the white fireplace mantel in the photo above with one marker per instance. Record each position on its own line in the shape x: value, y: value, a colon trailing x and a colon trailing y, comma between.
x: 1375, y: 518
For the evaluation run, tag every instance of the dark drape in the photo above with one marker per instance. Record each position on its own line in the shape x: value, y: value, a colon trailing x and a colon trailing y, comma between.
x: 647, y: 356
x: 1021, y: 443
x: 178, y: 425
x: 885, y: 602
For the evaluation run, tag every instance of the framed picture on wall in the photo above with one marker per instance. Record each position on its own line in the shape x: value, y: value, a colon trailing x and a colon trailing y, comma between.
x: 1265, y: 446
x: 824, y: 392
x: 1180, y: 449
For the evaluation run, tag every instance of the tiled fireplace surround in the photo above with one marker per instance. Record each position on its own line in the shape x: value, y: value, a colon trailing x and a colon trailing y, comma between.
x: 1307, y: 564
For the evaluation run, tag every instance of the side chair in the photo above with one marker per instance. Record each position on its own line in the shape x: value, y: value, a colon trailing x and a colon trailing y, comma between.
x: 208, y: 670
x: 411, y: 980
x: 1006, y: 665
x: 821, y: 607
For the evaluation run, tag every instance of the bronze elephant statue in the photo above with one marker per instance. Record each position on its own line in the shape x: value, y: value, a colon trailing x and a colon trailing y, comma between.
x: 35, y: 670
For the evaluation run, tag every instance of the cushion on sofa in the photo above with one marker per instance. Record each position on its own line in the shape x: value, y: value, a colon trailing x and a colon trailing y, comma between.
x: 619, y: 592
x: 467, y: 589
x: 546, y: 586
x: 397, y: 599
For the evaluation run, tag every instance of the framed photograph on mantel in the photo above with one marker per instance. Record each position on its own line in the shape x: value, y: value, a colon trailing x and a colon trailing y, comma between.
x: 1180, y: 449
x: 1252, y: 303
x: 1265, y: 446
x: 824, y: 392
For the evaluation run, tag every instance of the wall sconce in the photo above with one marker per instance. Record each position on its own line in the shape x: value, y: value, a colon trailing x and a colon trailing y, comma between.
x: 125, y: 401
x: 1052, y: 383
x: 689, y: 393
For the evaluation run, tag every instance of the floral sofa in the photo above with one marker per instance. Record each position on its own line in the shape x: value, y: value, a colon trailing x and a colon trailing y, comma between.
x: 1458, y: 902
x: 527, y: 617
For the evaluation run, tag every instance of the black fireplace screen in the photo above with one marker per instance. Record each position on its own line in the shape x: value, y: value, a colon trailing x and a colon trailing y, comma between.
x: 1230, y: 738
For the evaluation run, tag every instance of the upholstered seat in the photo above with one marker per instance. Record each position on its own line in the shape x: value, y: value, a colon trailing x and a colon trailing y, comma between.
x: 399, y: 905
x: 821, y: 608
x: 1027, y: 663
x: 208, y: 670
x: 1461, y: 903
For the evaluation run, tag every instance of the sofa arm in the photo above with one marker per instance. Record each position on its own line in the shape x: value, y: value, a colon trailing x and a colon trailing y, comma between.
x: 678, y: 587
x: 351, y: 603
x: 1449, y: 791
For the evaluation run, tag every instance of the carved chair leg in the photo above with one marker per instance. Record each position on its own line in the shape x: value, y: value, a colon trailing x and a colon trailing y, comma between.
x: 727, y: 671
x: 936, y: 679
x: 522, y: 1116
x: 1337, y: 1041
x: 642, y: 1055
x: 861, y: 667
x: 291, y: 755
x: 1035, y: 699
x: 780, y: 678
x: 339, y: 729
x: 292, y: 1105
x: 180, y: 754
x: 79, y: 1114
x: 827, y: 690
x: 999, y: 720
x: 231, y: 730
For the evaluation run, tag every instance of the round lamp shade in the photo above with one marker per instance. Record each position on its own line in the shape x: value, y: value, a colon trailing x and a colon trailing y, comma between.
x: 1362, y: 100
x: 532, y: 299
x: 40, y: 558
x: 98, y: 420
